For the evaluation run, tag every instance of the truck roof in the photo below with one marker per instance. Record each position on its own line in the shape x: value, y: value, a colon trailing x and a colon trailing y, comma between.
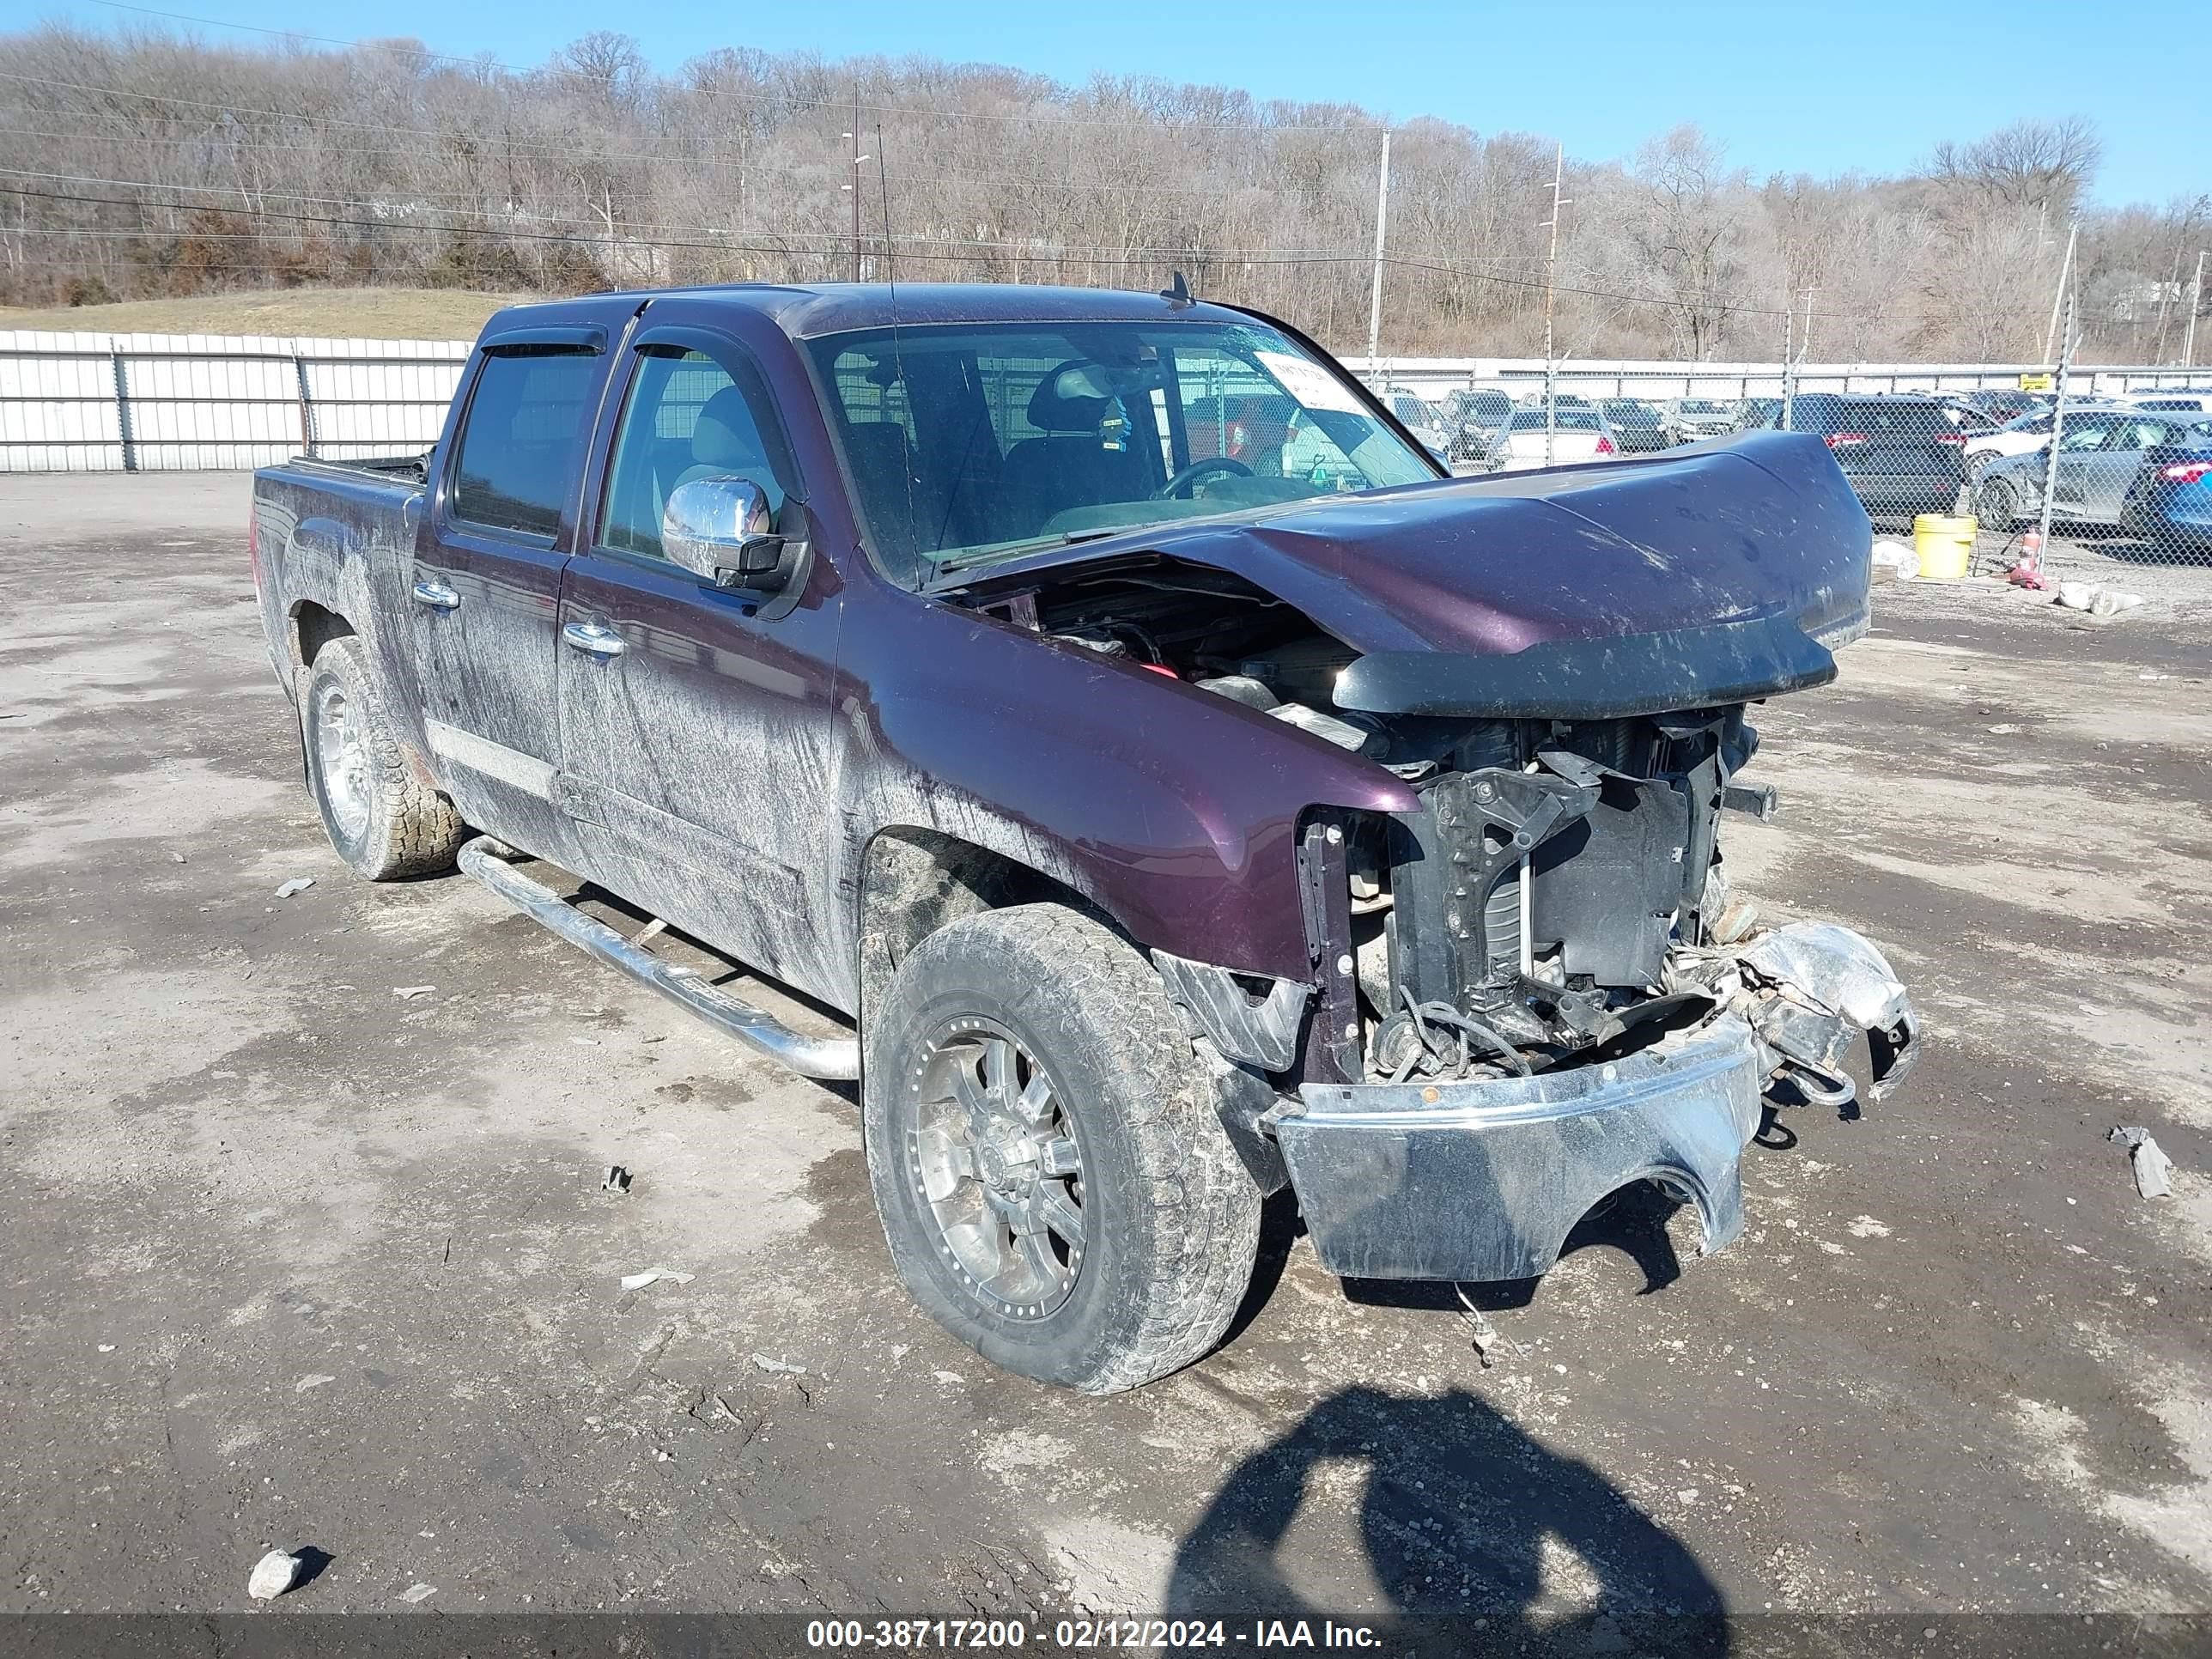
x: 807, y: 311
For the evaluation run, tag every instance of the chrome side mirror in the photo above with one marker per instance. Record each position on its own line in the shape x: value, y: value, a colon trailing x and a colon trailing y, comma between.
x: 722, y: 530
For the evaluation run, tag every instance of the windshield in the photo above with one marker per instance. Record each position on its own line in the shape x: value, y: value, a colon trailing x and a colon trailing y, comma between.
x: 1570, y: 420
x: 1703, y: 406
x: 973, y: 442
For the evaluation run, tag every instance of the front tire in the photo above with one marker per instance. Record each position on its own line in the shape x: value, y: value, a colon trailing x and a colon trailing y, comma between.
x: 1055, y: 1185
x: 381, y: 818
x: 1996, y: 504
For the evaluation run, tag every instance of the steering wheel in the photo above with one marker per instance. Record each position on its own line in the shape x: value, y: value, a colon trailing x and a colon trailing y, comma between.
x: 1181, y: 484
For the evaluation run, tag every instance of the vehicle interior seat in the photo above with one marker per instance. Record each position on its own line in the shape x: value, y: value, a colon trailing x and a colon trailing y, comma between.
x: 1072, y: 465
x: 724, y: 444
x: 903, y: 507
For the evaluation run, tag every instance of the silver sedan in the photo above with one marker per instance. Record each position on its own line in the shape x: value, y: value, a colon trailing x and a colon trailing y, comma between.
x: 2099, y: 453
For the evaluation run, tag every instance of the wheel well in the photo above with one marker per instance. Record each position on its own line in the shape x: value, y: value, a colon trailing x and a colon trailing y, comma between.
x: 313, y: 628
x: 914, y: 881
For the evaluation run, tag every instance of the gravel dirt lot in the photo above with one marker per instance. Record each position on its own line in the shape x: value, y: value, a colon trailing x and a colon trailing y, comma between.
x: 291, y: 1260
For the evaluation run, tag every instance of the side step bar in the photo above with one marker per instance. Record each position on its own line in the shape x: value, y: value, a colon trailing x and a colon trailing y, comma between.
x: 836, y: 1058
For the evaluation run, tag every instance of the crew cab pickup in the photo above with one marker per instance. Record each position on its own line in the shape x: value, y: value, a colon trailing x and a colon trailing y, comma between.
x: 1150, y: 809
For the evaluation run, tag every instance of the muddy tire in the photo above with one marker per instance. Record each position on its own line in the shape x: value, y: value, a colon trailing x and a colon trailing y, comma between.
x: 384, y: 821
x: 1055, y: 1185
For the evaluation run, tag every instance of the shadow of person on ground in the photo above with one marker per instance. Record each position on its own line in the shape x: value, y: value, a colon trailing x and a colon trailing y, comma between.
x: 1460, y: 1514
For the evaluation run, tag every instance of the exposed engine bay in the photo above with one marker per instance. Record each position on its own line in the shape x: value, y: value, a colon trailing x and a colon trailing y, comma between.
x: 1561, y: 900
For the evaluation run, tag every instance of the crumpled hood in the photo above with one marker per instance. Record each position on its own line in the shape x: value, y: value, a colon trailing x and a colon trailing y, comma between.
x: 1758, y: 526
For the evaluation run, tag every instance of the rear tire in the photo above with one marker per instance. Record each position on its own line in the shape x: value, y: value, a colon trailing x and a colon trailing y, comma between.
x: 1055, y: 1185
x: 383, y: 820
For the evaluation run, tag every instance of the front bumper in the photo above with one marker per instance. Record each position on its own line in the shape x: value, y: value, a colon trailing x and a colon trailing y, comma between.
x: 1484, y: 1180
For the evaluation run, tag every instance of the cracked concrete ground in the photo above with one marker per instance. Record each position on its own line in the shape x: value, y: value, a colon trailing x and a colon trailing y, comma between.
x: 290, y: 1260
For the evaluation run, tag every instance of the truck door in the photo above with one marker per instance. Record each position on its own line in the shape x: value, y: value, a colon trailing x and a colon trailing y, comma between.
x: 485, y: 583
x: 694, y: 727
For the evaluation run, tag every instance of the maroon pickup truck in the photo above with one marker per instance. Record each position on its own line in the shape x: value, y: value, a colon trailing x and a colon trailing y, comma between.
x: 1153, y: 814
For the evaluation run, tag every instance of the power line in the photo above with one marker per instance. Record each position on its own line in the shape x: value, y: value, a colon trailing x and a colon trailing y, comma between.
x: 778, y: 101
x: 507, y: 148
x: 995, y: 251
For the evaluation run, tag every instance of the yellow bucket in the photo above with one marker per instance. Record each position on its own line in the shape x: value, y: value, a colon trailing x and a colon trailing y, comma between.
x: 1945, y: 545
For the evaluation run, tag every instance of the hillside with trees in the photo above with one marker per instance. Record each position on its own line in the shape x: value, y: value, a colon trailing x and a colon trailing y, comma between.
x: 141, y: 165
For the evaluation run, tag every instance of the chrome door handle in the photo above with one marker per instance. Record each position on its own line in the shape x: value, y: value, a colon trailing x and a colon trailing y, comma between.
x: 435, y: 594
x: 593, y: 639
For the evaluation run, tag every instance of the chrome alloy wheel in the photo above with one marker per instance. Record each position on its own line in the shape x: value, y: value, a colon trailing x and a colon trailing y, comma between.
x: 341, y: 757
x: 993, y: 1156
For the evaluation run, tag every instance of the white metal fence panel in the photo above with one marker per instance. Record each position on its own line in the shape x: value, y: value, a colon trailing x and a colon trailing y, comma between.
x: 92, y: 403
x: 89, y: 402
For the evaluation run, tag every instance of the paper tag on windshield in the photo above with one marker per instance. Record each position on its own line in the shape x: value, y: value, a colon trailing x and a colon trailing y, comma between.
x: 1309, y: 383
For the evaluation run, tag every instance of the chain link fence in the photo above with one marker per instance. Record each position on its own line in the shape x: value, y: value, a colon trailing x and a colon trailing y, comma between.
x: 2081, y: 472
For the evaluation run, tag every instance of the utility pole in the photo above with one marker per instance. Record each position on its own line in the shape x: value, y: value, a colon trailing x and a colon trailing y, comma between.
x: 1551, y: 286
x: 854, y: 135
x: 1805, y: 343
x: 2195, y: 300
x: 2057, y: 433
x: 2066, y: 270
x: 1788, y: 361
x: 1375, y: 294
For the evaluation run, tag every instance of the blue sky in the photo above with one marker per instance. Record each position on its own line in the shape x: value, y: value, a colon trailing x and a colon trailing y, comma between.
x: 1869, y: 85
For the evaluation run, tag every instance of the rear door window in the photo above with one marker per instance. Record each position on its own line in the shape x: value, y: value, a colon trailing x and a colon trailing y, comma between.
x: 516, y: 459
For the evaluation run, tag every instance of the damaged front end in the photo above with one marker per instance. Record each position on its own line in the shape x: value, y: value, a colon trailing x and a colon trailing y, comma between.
x: 1560, y: 994
x: 1540, y: 988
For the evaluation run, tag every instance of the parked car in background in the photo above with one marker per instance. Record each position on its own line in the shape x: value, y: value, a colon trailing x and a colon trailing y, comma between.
x: 1637, y: 426
x: 2025, y: 434
x: 2171, y: 399
x: 1998, y: 404
x: 1472, y: 419
x: 2099, y: 454
x: 1418, y: 416
x: 2169, y: 504
x: 1901, y: 452
x: 1576, y: 434
x: 1688, y: 419
x: 1969, y: 421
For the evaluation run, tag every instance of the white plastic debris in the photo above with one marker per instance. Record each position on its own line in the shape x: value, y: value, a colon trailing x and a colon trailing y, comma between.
x: 2005, y: 729
x: 1896, y: 557
x: 653, y: 1275
x: 297, y: 885
x: 418, y: 1592
x: 2150, y: 1162
x: 409, y: 993
x: 315, y: 1381
x: 778, y: 1367
x: 2096, y: 598
x: 615, y: 1180
x: 273, y: 1574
